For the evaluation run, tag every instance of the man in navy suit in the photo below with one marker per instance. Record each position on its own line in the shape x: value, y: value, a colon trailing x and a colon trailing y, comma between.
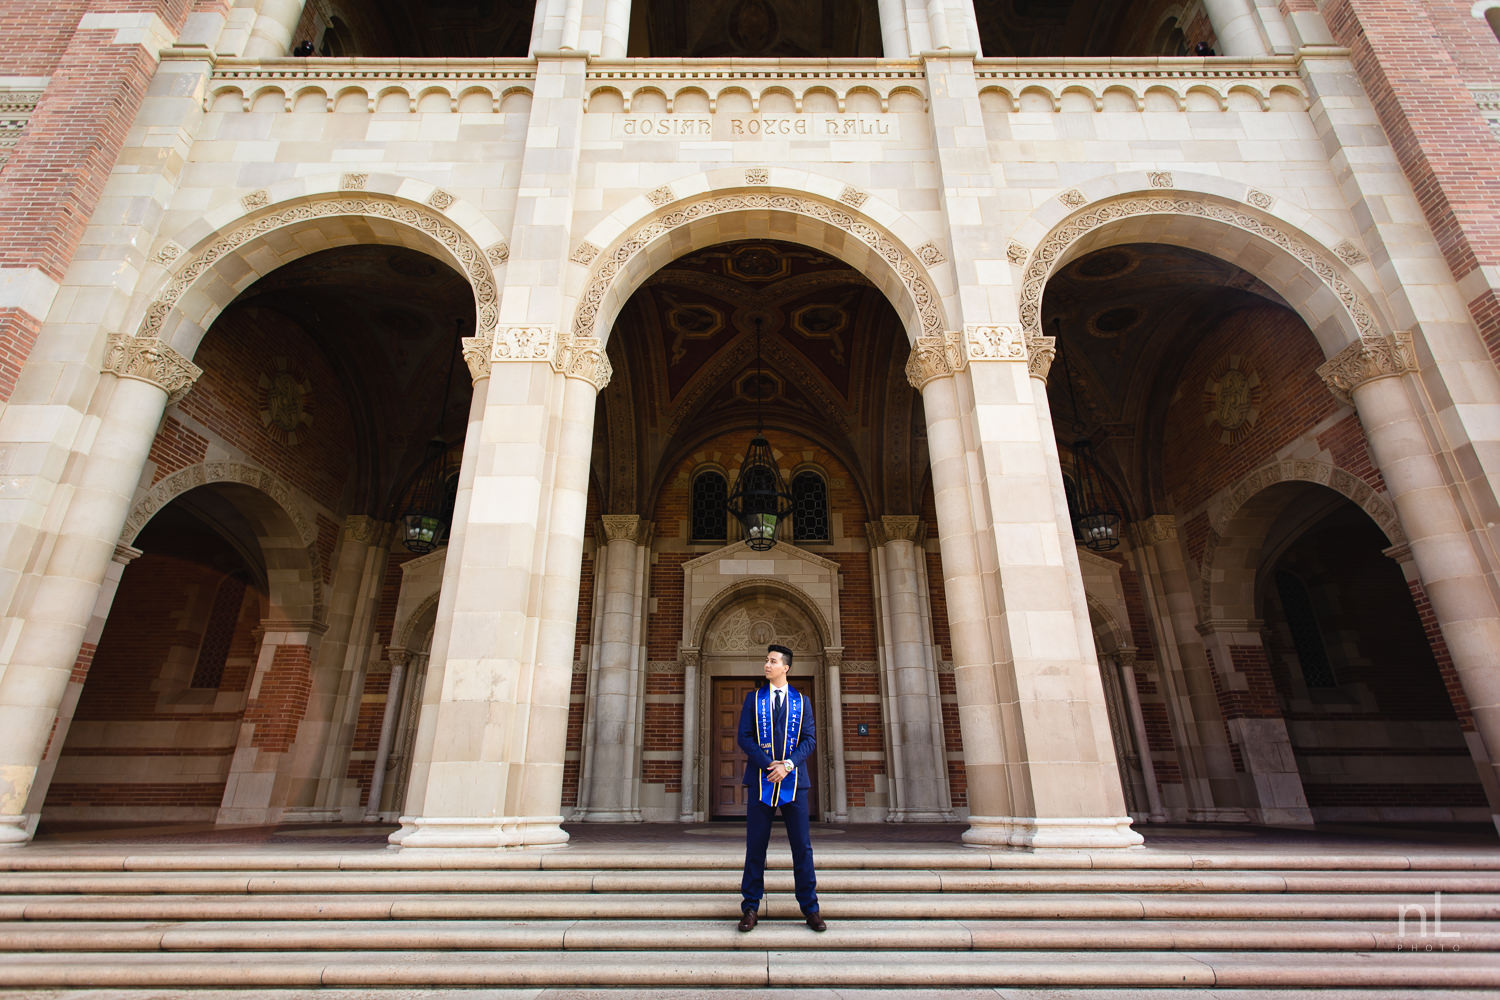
x: 777, y: 735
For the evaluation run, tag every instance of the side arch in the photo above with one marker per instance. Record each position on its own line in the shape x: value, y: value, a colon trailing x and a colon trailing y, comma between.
x: 1238, y: 524
x: 1325, y: 293
x: 288, y: 533
x: 234, y: 256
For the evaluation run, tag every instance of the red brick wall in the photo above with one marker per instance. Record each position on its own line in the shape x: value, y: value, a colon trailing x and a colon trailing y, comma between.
x: 160, y: 611
x: 1414, y: 59
x: 54, y: 178
x: 663, y: 731
x: 241, y: 349
x: 1277, y: 346
x: 279, y: 705
x: 176, y: 447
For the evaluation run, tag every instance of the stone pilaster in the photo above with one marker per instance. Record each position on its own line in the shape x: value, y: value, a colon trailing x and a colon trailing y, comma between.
x: 610, y: 783
x: 271, y: 33
x: 1208, y: 775
x: 918, y: 764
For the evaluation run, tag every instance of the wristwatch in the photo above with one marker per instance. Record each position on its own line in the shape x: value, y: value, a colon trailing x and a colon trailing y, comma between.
x: 789, y: 765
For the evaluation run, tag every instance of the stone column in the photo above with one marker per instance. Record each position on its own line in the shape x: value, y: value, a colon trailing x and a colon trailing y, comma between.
x: 833, y: 659
x: 616, y: 29
x: 492, y: 745
x: 691, y: 668
x: 1040, y: 765
x: 610, y: 791
x: 398, y: 658
x: 893, y: 39
x: 54, y: 621
x: 1236, y: 27
x: 275, y: 23
x: 1378, y: 375
x: 919, y: 770
x: 476, y: 352
x: 1125, y: 664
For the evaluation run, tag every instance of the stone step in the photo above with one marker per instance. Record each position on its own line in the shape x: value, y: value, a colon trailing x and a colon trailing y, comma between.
x: 790, y: 933
x: 728, y: 858
x: 636, y: 882
x: 779, y: 903
x: 785, y: 968
x: 735, y: 993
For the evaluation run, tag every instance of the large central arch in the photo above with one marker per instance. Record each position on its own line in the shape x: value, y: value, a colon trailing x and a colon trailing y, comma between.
x: 662, y: 229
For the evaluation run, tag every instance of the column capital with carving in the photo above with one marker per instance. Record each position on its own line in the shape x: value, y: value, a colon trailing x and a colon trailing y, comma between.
x: 934, y: 357
x: 398, y: 655
x: 833, y: 657
x: 477, y: 352
x: 994, y: 342
x: 691, y: 657
x: 126, y: 554
x: 894, y: 528
x: 1368, y: 359
x: 626, y: 528
x: 584, y: 358
x: 1155, y: 529
x: 1040, y: 351
x: 148, y: 359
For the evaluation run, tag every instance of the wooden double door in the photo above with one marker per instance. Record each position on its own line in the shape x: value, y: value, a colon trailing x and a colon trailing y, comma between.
x: 727, y: 794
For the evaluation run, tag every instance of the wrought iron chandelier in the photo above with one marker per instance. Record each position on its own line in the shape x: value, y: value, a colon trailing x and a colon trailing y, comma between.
x: 424, y: 522
x: 759, y: 501
x: 1096, y: 522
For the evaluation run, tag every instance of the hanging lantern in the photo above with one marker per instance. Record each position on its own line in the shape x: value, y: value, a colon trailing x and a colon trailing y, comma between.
x: 1097, y: 522
x: 760, y: 501
x: 424, y: 524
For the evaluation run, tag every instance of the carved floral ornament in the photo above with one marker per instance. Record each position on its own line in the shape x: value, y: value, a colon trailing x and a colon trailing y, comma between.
x: 469, y: 258
x: 1366, y: 360
x: 614, y: 261
x: 575, y: 357
x: 1052, y: 251
x: 938, y: 357
x: 147, y: 359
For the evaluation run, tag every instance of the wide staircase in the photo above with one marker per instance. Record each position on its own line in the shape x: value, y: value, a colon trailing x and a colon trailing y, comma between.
x: 368, y: 923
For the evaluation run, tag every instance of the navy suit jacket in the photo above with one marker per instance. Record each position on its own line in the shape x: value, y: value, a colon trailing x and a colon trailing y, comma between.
x: 757, y: 760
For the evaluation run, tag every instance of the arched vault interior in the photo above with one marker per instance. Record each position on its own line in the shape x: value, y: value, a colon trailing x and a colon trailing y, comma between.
x: 833, y: 371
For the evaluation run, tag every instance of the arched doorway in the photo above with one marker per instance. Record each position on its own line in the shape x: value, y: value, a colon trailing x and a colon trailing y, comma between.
x: 733, y: 649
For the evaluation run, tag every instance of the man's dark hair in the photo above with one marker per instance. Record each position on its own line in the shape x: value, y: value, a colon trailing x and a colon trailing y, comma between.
x: 786, y: 654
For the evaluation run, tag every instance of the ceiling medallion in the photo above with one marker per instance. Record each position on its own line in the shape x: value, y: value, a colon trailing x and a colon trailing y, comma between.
x: 1231, y: 399
x: 283, y: 402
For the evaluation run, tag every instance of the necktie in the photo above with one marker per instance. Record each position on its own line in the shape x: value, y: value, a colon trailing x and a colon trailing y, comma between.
x: 778, y: 720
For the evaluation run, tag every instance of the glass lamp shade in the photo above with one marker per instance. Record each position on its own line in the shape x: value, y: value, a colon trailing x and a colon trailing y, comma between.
x: 760, y: 501
x: 421, y: 532
x: 1100, y: 530
x: 1098, y: 524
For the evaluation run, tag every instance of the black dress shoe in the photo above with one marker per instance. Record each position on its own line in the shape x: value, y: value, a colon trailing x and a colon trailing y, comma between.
x: 814, y: 921
x: 748, y: 920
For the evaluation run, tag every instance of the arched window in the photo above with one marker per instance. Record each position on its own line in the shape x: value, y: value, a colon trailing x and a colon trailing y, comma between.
x: 809, y: 507
x: 1307, y: 637
x: 1489, y: 11
x: 709, y: 518
x: 213, y: 652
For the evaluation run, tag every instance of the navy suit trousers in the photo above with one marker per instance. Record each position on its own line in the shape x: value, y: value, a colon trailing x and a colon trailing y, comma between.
x: 758, y: 818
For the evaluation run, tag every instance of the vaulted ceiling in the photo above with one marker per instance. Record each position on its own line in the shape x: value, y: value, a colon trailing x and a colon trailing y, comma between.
x: 684, y: 349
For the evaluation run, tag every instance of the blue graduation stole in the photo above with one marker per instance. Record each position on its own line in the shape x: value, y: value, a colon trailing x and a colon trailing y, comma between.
x: 773, y: 793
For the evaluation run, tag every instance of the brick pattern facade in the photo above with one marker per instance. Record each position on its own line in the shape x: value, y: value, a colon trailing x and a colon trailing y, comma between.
x: 228, y: 402
x: 277, y: 709
x: 1276, y: 345
x: 1415, y: 59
